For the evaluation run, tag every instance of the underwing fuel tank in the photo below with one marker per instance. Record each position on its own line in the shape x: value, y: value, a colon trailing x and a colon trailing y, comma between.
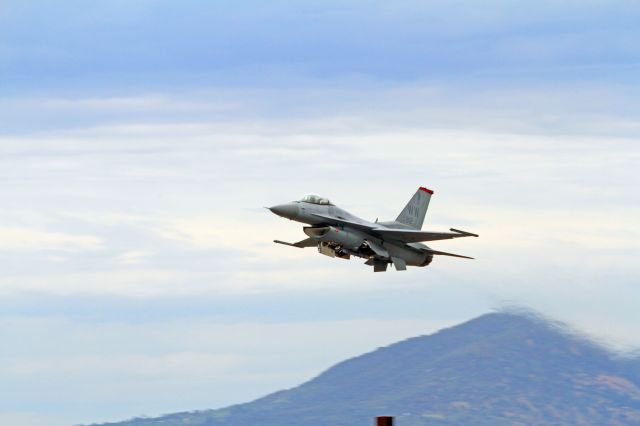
x: 343, y: 237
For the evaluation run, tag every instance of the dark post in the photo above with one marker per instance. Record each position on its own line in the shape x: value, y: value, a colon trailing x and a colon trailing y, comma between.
x: 384, y: 421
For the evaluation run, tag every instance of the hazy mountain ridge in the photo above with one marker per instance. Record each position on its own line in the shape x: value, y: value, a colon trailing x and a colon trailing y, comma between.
x: 500, y: 368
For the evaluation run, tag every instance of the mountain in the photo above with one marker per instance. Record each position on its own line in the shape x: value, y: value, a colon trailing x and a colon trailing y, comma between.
x: 497, y: 369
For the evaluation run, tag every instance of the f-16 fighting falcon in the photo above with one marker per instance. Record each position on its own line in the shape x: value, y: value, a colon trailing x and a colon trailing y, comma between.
x: 338, y: 233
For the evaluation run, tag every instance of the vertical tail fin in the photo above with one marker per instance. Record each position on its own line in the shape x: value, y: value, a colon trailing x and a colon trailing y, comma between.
x: 415, y: 210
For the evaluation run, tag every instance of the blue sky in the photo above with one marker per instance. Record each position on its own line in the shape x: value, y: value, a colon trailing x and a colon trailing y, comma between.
x: 139, y: 142
x: 114, y: 45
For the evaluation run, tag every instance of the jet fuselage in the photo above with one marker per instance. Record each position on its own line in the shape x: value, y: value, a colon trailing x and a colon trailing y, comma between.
x: 338, y: 233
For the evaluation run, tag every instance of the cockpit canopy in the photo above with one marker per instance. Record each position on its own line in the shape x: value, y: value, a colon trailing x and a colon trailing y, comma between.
x: 316, y: 199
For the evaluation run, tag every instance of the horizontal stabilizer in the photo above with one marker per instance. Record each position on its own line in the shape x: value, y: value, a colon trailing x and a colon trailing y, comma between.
x: 309, y: 242
x: 444, y: 253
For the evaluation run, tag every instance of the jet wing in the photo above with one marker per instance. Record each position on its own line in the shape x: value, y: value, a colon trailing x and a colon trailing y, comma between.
x: 332, y: 220
x: 410, y: 236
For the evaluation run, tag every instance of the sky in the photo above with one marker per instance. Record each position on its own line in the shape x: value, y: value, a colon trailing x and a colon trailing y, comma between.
x: 140, y: 141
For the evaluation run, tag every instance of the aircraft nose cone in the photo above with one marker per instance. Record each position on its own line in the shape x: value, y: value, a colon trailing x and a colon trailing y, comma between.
x: 285, y: 210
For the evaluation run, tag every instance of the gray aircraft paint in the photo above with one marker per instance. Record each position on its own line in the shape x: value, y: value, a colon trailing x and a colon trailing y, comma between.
x: 415, y: 210
x: 338, y: 233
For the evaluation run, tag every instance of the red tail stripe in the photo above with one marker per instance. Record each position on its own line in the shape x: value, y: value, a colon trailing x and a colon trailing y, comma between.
x: 422, y: 188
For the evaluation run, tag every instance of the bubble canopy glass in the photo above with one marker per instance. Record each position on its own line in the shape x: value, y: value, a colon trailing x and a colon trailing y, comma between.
x: 315, y: 199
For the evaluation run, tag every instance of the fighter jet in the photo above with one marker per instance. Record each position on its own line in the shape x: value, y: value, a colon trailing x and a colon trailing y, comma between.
x: 338, y: 233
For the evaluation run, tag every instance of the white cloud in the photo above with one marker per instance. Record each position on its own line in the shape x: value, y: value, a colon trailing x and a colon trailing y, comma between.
x: 187, y: 365
x: 182, y: 212
x: 134, y: 257
x: 143, y: 282
x: 32, y: 239
x: 213, y: 231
